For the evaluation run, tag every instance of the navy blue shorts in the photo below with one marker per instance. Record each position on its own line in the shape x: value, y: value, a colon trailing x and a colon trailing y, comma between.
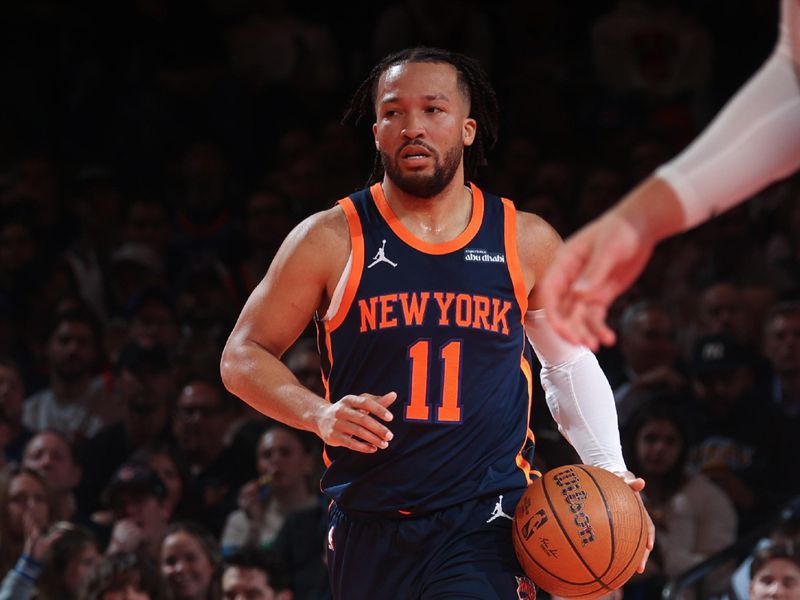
x: 461, y: 552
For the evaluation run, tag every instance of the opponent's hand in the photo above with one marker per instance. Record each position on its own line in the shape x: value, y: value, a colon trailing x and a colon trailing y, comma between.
x: 588, y: 272
x: 637, y: 485
x: 353, y: 422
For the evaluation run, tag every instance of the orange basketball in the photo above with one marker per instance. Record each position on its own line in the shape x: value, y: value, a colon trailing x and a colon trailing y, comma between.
x: 579, y: 532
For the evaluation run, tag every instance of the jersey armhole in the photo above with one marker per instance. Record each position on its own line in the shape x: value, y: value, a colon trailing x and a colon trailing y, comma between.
x: 346, y: 288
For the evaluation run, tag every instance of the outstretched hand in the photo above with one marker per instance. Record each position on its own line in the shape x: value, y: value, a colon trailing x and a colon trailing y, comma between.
x: 354, y: 422
x: 589, y: 271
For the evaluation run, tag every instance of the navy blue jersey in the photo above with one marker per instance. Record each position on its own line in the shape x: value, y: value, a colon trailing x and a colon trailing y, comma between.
x: 441, y: 325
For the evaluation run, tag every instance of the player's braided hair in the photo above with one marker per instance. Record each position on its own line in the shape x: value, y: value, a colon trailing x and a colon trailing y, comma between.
x: 472, y: 80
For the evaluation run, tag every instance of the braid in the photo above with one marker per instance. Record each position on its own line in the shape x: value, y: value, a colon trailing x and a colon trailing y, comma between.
x: 472, y: 80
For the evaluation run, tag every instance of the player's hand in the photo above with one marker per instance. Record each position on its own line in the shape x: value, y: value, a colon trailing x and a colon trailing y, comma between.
x: 637, y: 485
x: 588, y: 272
x: 354, y: 422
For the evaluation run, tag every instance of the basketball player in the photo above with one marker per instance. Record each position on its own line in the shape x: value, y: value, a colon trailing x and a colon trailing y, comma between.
x: 423, y: 289
x: 754, y: 141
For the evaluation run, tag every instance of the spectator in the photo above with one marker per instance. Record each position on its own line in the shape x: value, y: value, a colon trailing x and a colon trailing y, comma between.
x: 285, y: 465
x: 191, y: 564
x: 137, y: 497
x: 255, y: 574
x: 782, y: 349
x: 153, y: 320
x: 786, y: 533
x: 171, y: 467
x: 775, y: 573
x: 203, y: 415
x: 732, y: 442
x: 145, y: 388
x: 693, y: 517
x: 124, y: 575
x: 77, y: 396
x: 12, y: 393
x: 25, y: 511
x: 649, y: 355
x: 68, y: 554
x: 50, y: 454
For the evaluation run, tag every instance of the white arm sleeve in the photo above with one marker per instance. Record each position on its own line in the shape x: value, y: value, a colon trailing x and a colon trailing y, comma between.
x: 752, y: 142
x: 577, y: 394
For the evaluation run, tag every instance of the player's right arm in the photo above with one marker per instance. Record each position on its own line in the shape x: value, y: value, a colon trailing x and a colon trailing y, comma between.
x: 299, y: 281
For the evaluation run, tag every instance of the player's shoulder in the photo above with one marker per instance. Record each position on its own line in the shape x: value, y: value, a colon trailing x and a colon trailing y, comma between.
x: 326, y: 226
x: 537, y: 243
x: 534, y: 231
x: 321, y: 239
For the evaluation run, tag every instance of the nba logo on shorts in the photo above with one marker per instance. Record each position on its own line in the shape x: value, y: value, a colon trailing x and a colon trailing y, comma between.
x: 525, y: 589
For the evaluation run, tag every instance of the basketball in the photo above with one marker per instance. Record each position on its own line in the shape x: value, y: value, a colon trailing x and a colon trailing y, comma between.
x: 579, y: 532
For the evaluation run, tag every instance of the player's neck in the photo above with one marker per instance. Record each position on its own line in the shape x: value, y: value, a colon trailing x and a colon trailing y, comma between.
x: 438, y: 219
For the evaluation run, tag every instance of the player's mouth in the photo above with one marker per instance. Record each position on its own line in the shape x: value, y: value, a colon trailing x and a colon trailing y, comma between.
x: 415, y: 152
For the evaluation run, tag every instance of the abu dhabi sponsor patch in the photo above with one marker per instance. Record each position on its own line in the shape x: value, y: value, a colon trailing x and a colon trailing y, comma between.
x: 479, y: 255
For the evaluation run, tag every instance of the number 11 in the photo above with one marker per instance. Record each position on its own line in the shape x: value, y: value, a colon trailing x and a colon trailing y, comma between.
x: 448, y: 410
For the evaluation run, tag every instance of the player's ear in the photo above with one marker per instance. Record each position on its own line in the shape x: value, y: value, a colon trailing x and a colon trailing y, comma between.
x: 469, y: 129
x: 375, y: 135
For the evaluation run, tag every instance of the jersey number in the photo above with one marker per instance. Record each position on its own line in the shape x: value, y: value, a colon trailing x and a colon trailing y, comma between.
x: 448, y: 410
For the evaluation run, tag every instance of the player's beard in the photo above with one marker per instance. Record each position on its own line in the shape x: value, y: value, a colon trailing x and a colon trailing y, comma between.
x: 425, y: 186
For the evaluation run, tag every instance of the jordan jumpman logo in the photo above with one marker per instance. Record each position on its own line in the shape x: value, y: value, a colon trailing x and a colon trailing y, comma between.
x: 381, y: 257
x: 499, y: 512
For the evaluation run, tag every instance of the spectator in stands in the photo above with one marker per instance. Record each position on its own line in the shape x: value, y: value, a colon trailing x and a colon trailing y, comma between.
x: 78, y: 401
x: 693, y: 517
x: 285, y: 463
x: 775, y: 573
x: 732, y: 428
x: 124, y: 575
x: 191, y: 564
x: 145, y: 389
x: 50, y: 454
x: 25, y: 512
x: 67, y: 555
x: 204, y: 412
x: 12, y: 393
x: 649, y: 355
x: 137, y: 497
x: 255, y: 574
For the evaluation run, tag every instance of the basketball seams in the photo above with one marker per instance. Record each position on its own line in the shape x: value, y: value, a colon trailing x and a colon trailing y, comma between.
x: 569, y: 541
x: 611, y: 530
x: 642, y: 540
x: 624, y: 569
x: 524, y: 547
x: 619, y: 521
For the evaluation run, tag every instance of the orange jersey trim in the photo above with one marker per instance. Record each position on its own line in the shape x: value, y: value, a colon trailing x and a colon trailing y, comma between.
x: 400, y: 230
x: 354, y: 278
x: 521, y: 462
x: 512, y: 256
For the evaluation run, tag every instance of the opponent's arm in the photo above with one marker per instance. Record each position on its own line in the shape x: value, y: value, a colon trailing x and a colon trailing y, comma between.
x: 754, y: 141
x: 576, y: 389
x: 303, y: 273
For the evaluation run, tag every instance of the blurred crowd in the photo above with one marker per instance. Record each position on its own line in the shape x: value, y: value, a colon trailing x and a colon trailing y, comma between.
x: 154, y: 154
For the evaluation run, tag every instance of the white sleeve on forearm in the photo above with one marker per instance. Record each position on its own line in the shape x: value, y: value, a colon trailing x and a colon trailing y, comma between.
x: 577, y: 394
x: 752, y: 142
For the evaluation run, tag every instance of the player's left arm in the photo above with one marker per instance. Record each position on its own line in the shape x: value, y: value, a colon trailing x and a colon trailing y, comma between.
x: 577, y: 391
